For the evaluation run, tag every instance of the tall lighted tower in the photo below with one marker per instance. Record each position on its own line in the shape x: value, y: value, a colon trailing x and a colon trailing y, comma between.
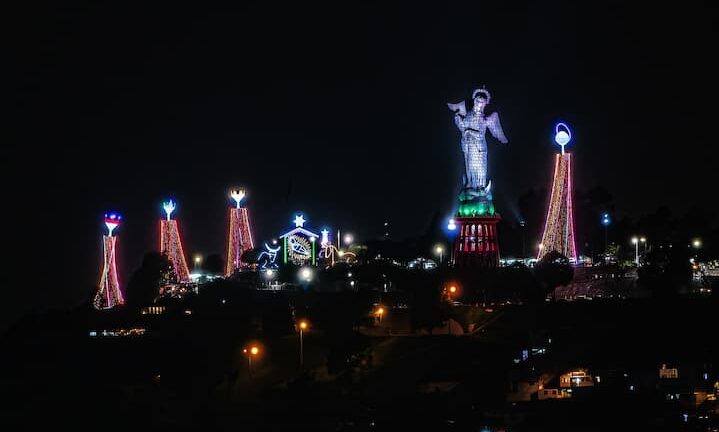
x: 559, y: 227
x: 108, y: 290
x: 170, y: 243
x: 239, y: 238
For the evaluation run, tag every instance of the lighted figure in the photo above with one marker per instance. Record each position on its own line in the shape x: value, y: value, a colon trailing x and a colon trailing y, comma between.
x: 239, y: 239
x: 473, y: 126
x: 558, y: 232
x: 476, y: 242
x: 268, y: 257
x: 299, y: 246
x: 171, y: 244
x: 108, y: 290
x: 325, y: 238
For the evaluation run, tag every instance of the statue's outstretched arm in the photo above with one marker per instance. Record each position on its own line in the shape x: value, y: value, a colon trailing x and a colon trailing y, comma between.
x: 459, y: 122
x: 495, y: 128
x: 460, y: 111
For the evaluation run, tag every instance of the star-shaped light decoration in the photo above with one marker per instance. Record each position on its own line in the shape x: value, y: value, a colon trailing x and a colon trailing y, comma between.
x: 299, y: 221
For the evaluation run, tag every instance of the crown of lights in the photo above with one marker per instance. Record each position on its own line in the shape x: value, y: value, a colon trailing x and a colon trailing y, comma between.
x: 238, y: 195
x: 169, y: 207
x: 112, y: 221
x: 484, y: 92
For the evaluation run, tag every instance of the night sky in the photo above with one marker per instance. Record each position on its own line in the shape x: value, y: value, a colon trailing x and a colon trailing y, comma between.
x: 338, y: 112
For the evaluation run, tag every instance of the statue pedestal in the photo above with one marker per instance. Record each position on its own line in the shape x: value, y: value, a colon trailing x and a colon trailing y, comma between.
x: 476, y: 245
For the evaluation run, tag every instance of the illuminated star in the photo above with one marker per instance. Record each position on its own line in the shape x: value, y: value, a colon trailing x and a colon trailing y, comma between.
x: 299, y: 221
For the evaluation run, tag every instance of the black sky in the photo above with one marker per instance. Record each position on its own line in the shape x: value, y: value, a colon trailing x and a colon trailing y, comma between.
x: 338, y: 111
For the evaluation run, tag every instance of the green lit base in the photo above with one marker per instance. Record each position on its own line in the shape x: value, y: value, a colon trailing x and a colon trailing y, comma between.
x: 475, y: 203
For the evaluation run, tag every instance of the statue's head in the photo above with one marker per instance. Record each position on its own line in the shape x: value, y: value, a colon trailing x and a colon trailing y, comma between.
x: 480, y: 98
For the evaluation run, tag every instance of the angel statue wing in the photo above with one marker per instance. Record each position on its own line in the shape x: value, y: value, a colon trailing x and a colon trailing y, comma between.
x: 495, y: 128
x: 459, y: 107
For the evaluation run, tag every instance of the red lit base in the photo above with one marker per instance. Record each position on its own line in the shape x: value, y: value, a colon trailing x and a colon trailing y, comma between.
x: 476, y: 245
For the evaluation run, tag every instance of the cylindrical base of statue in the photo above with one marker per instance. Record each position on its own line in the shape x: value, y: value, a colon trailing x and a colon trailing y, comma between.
x: 476, y: 245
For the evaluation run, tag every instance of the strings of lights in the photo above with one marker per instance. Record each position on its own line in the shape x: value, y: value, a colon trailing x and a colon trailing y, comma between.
x: 171, y: 244
x: 108, y: 291
x: 558, y: 232
x: 239, y: 239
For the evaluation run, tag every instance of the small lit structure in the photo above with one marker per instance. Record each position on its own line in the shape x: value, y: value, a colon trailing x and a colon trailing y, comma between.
x: 553, y: 393
x: 422, y: 264
x: 577, y: 378
x: 668, y: 373
x: 299, y: 244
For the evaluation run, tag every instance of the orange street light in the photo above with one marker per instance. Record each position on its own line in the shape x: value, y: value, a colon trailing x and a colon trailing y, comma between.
x: 302, y: 325
x: 252, y: 351
x: 379, y: 312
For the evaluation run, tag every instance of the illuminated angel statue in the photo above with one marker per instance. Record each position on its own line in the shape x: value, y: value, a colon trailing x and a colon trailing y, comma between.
x: 473, y: 126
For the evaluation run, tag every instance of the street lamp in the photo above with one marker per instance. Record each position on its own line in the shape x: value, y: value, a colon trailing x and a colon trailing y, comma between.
x: 252, y: 351
x: 348, y: 239
x: 439, y: 250
x: 635, y: 242
x: 643, y: 240
x: 606, y: 220
x: 302, y: 325
x: 379, y: 313
x: 197, y: 260
x: 697, y: 243
x: 306, y: 274
x: 451, y: 290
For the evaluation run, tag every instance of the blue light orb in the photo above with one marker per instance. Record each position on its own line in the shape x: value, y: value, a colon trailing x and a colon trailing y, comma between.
x: 606, y: 220
x: 562, y: 135
x: 562, y: 138
x: 451, y: 225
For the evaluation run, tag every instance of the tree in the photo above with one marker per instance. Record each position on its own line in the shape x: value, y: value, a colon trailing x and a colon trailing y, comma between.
x: 553, y: 270
x: 426, y: 312
x: 144, y: 286
x: 214, y: 264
